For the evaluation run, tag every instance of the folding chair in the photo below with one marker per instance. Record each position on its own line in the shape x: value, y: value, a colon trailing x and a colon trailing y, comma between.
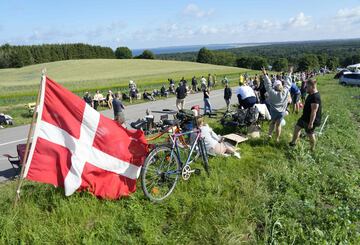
x: 16, y: 162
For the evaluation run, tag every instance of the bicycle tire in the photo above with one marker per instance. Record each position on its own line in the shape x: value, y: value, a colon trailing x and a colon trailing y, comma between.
x: 161, y: 179
x: 204, y: 156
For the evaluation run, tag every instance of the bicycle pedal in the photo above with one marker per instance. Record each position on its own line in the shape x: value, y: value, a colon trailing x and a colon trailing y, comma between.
x: 197, y: 171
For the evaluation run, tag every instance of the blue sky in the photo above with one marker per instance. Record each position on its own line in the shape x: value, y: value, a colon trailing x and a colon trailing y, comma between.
x: 158, y: 23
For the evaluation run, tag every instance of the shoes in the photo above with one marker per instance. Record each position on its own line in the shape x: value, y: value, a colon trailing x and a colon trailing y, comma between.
x: 292, y: 144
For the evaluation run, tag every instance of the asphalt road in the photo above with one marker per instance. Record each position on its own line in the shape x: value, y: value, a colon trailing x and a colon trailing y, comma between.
x: 10, y: 137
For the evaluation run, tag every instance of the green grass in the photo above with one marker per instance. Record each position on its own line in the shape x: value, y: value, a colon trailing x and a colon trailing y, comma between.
x: 19, y: 86
x: 274, y: 194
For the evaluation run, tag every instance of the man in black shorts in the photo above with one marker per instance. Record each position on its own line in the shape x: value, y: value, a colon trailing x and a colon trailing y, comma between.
x: 311, y: 117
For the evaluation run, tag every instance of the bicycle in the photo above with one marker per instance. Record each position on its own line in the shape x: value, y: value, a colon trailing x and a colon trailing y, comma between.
x: 163, y: 166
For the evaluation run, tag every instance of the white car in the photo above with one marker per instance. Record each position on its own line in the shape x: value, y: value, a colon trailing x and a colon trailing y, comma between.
x: 350, y: 78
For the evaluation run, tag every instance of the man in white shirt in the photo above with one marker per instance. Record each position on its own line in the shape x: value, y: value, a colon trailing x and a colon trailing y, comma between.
x: 246, y: 96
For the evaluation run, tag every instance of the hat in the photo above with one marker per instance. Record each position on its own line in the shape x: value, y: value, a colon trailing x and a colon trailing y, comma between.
x: 131, y: 82
x: 277, y: 83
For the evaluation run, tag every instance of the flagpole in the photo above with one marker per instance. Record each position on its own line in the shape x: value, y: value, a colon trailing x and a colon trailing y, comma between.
x: 30, y: 133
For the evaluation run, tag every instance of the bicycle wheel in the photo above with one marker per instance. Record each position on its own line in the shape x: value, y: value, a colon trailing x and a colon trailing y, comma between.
x: 160, y: 173
x: 204, y: 156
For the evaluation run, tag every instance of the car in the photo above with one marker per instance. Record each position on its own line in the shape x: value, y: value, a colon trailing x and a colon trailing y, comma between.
x: 350, y: 78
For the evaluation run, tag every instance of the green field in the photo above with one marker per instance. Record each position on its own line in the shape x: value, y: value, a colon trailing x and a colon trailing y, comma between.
x: 274, y: 194
x: 19, y: 86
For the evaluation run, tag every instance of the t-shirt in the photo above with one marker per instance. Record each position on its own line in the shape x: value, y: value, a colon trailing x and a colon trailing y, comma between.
x: 294, y: 89
x: 180, y: 92
x: 312, y: 99
x: 117, y: 106
x: 206, y: 94
x: 245, y: 92
x: 88, y: 99
x: 211, y: 139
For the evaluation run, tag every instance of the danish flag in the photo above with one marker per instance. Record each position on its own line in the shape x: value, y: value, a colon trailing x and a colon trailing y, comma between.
x: 77, y: 148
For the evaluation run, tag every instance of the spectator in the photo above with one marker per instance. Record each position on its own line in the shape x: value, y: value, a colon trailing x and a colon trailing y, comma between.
x: 98, y: 98
x: 203, y: 83
x: 246, y: 96
x: 225, y: 81
x: 132, y: 90
x: 109, y: 99
x: 295, y: 97
x: 163, y: 91
x: 215, y: 144
x: 181, y: 93
x: 227, y: 96
x: 278, y: 100
x: 118, y: 108
x: 303, y: 90
x: 311, y: 117
x: 209, y: 81
x: 87, y: 98
x: 148, y: 96
x: 207, y: 105
x: 194, y: 84
x: 171, y: 86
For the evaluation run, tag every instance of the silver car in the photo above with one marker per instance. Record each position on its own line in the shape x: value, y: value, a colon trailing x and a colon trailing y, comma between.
x: 350, y: 78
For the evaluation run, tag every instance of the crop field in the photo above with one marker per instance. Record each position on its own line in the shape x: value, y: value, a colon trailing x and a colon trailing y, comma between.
x: 273, y: 194
x: 19, y: 86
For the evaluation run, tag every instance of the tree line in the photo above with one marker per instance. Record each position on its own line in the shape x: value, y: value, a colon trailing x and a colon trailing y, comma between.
x: 302, y: 55
x: 19, y: 56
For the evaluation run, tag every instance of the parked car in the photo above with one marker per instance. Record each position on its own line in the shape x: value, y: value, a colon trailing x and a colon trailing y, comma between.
x: 350, y: 78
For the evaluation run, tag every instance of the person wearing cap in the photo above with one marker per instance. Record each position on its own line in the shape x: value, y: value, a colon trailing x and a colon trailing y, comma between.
x: 246, y: 96
x: 278, y: 95
x: 311, y: 117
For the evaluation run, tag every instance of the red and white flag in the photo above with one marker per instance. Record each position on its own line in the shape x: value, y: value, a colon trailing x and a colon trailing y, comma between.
x: 77, y: 148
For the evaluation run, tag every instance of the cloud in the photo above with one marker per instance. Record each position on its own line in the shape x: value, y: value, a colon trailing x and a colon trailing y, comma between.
x: 264, y: 25
x: 194, y: 10
x: 300, y: 20
x: 349, y: 15
x: 208, y: 30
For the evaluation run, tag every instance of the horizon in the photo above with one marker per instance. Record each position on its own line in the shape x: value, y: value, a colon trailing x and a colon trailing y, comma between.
x: 183, y: 23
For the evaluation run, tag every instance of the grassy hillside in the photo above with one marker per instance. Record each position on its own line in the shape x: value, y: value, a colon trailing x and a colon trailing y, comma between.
x: 274, y: 194
x: 19, y: 86
x: 93, y: 73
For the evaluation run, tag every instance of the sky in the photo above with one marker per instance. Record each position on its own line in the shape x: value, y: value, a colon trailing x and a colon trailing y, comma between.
x: 163, y: 23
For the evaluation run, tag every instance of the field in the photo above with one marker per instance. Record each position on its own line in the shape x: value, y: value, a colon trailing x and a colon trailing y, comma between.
x: 19, y: 86
x: 274, y: 194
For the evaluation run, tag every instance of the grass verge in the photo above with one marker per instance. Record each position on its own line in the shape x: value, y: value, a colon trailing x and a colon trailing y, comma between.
x: 274, y: 194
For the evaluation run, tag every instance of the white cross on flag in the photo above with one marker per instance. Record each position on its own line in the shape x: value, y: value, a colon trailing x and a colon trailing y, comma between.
x: 77, y: 148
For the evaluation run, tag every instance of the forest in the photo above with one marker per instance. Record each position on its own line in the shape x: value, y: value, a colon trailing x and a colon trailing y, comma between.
x: 305, y: 55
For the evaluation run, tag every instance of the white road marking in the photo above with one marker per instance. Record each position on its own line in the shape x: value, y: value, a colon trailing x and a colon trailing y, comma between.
x: 12, y: 142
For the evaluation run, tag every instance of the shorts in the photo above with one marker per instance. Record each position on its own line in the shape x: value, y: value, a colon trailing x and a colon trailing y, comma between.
x: 295, y: 98
x: 120, y: 117
x: 302, y: 124
x: 276, y: 115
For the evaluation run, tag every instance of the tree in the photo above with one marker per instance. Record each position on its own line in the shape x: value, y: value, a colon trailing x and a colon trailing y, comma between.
x: 205, y: 56
x: 332, y: 63
x: 224, y: 58
x: 123, y: 53
x: 147, y: 54
x: 280, y: 64
x: 308, y: 62
x: 258, y: 62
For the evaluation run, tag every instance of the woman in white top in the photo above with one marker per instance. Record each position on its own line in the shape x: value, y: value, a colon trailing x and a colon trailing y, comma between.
x: 246, y: 96
x: 213, y: 142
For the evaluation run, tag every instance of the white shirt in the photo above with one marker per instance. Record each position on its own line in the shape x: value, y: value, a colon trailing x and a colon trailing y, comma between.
x: 245, y: 92
x: 211, y: 139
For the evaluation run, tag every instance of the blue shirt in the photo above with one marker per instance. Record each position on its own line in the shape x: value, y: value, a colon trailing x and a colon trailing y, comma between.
x: 294, y: 89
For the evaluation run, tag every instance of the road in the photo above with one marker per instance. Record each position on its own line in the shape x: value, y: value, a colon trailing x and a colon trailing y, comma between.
x: 10, y: 137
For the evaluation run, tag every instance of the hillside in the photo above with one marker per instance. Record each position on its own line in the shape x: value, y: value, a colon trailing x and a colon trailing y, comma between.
x: 272, y: 195
x: 97, y: 71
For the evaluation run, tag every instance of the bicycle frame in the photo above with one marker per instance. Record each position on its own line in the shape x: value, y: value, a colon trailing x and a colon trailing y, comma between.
x: 175, y: 146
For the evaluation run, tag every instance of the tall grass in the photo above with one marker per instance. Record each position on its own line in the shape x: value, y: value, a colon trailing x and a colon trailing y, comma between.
x: 274, y: 194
